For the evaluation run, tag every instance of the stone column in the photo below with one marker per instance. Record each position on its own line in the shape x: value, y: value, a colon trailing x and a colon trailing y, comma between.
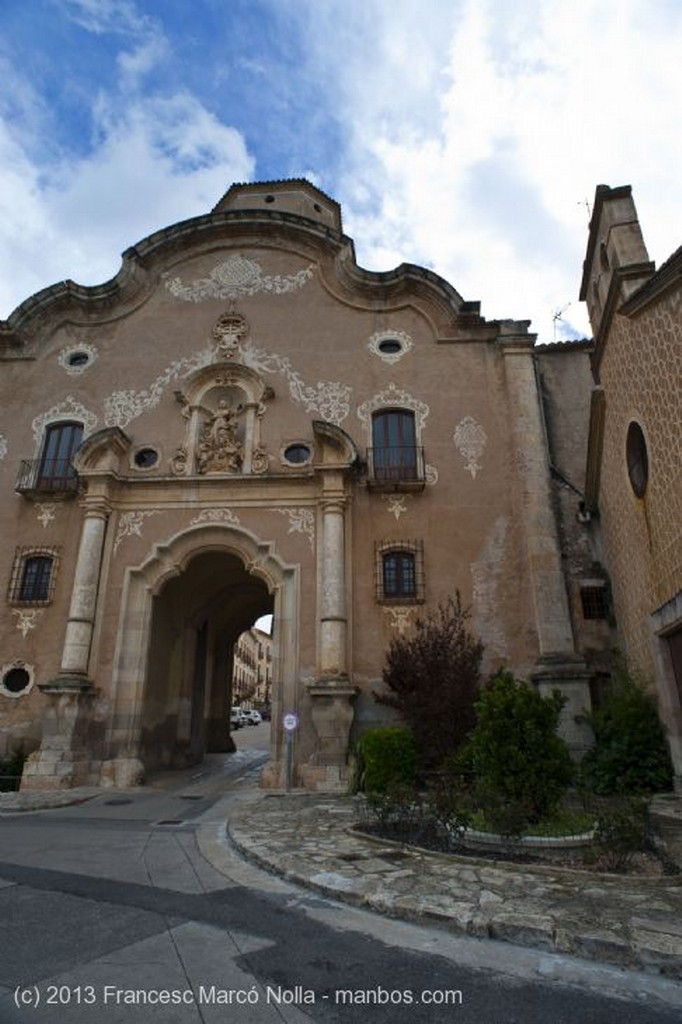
x: 332, y: 655
x: 70, y: 753
x: 558, y: 667
x: 76, y: 652
x: 332, y: 693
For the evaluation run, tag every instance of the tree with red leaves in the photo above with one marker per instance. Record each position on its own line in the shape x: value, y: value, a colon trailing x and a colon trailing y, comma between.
x: 432, y: 679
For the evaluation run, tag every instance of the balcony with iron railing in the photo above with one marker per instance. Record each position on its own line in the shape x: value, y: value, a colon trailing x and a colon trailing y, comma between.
x: 396, y: 468
x: 39, y: 478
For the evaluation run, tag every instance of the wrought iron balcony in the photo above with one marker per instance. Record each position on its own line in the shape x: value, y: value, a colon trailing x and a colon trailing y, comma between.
x: 42, y: 477
x: 398, y: 468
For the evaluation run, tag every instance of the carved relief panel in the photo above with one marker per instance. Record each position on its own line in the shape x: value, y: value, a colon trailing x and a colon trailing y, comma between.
x: 223, y: 405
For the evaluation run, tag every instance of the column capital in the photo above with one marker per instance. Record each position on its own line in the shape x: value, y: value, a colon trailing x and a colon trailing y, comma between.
x: 96, y: 508
x: 334, y: 503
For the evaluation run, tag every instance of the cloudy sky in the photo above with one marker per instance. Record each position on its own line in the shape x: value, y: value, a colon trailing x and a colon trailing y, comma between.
x: 464, y: 135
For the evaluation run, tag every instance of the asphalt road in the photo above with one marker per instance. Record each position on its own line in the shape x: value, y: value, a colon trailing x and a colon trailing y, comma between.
x: 112, y: 914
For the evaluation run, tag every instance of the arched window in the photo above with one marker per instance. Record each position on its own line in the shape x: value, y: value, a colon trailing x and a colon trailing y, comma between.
x: 55, y: 471
x: 395, y: 456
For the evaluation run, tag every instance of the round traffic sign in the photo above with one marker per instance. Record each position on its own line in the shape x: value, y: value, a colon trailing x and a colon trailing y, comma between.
x: 290, y: 721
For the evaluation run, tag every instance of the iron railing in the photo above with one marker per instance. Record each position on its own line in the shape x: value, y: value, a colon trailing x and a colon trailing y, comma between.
x: 46, y: 476
x: 396, y: 468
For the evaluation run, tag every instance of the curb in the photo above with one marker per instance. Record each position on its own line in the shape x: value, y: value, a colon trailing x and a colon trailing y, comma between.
x: 639, y: 938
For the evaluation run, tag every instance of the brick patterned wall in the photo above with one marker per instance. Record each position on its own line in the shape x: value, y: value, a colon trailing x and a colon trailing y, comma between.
x: 641, y: 372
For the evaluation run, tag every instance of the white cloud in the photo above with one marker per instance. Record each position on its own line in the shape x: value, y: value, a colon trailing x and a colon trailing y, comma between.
x: 481, y: 170
x: 153, y: 161
x: 105, y: 16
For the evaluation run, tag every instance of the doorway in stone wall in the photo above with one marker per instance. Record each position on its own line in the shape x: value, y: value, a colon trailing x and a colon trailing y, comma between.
x: 197, y: 618
x: 182, y: 611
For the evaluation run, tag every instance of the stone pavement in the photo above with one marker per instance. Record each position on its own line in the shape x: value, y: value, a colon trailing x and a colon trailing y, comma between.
x: 633, y: 922
x: 630, y: 922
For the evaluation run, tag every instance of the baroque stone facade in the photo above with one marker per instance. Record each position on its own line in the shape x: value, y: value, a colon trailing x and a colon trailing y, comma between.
x: 244, y: 422
x: 634, y: 479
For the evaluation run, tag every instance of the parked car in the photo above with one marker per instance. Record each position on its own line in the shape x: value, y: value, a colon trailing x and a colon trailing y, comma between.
x: 254, y: 717
x: 236, y: 718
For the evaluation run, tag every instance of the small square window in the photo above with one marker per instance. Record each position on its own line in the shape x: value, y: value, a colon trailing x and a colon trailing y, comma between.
x: 594, y: 602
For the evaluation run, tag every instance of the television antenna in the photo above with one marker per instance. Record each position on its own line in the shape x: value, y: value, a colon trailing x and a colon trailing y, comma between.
x: 558, y: 315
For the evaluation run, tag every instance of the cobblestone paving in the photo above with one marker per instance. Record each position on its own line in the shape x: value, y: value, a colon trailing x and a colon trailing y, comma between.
x: 631, y: 922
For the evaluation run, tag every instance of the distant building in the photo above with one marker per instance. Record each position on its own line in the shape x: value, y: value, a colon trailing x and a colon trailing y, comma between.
x: 634, y: 478
x: 252, y: 669
x: 245, y: 422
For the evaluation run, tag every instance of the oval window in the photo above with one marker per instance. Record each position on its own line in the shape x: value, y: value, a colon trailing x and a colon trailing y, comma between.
x: 637, y: 459
x: 390, y: 346
x: 16, y: 680
x: 297, y: 454
x: 78, y: 359
x: 145, y: 458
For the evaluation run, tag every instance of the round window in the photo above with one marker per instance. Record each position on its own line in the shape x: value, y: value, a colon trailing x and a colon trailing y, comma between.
x: 637, y: 459
x: 145, y: 458
x: 297, y: 454
x: 390, y: 346
x: 78, y: 359
x: 16, y: 680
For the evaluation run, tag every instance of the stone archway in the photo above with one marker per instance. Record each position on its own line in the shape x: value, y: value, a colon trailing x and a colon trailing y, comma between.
x: 170, y: 692
x: 196, y: 619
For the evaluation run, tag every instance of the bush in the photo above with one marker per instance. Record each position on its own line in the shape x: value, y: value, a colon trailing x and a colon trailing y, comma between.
x: 630, y: 754
x: 432, y: 679
x: 386, y: 759
x: 11, y: 768
x: 522, y: 767
x: 621, y: 833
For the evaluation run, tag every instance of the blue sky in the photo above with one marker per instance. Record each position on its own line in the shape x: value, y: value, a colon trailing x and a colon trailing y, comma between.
x: 466, y: 136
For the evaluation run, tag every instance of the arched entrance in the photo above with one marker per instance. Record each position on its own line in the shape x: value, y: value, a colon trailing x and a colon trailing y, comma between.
x: 182, y: 611
x: 196, y: 620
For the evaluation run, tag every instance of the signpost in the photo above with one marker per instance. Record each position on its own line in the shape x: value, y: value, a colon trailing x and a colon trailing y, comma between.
x: 290, y: 724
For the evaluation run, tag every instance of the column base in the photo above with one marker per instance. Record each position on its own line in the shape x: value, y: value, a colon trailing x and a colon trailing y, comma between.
x: 66, y: 757
x: 569, y: 674
x: 332, y: 714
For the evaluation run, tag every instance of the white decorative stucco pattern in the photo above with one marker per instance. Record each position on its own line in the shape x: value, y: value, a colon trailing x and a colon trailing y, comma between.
x: 393, y: 397
x: 3, y: 446
x: 68, y: 409
x: 405, y: 341
x: 46, y: 512
x: 123, y: 406
x: 401, y: 618
x: 76, y: 368
x: 301, y: 520
x: 470, y: 440
x: 216, y: 515
x: 27, y: 620
x: 329, y: 399
x: 237, y: 276
x: 130, y: 524
x: 396, y: 504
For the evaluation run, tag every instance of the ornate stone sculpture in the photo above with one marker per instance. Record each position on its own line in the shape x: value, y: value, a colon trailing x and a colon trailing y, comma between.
x: 220, y: 450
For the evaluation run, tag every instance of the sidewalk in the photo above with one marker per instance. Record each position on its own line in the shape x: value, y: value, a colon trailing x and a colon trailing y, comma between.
x: 631, y: 922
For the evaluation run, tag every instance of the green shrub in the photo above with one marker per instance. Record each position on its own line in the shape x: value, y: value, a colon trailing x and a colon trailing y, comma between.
x: 619, y: 834
x: 522, y: 767
x: 11, y: 768
x: 630, y: 754
x: 386, y: 758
